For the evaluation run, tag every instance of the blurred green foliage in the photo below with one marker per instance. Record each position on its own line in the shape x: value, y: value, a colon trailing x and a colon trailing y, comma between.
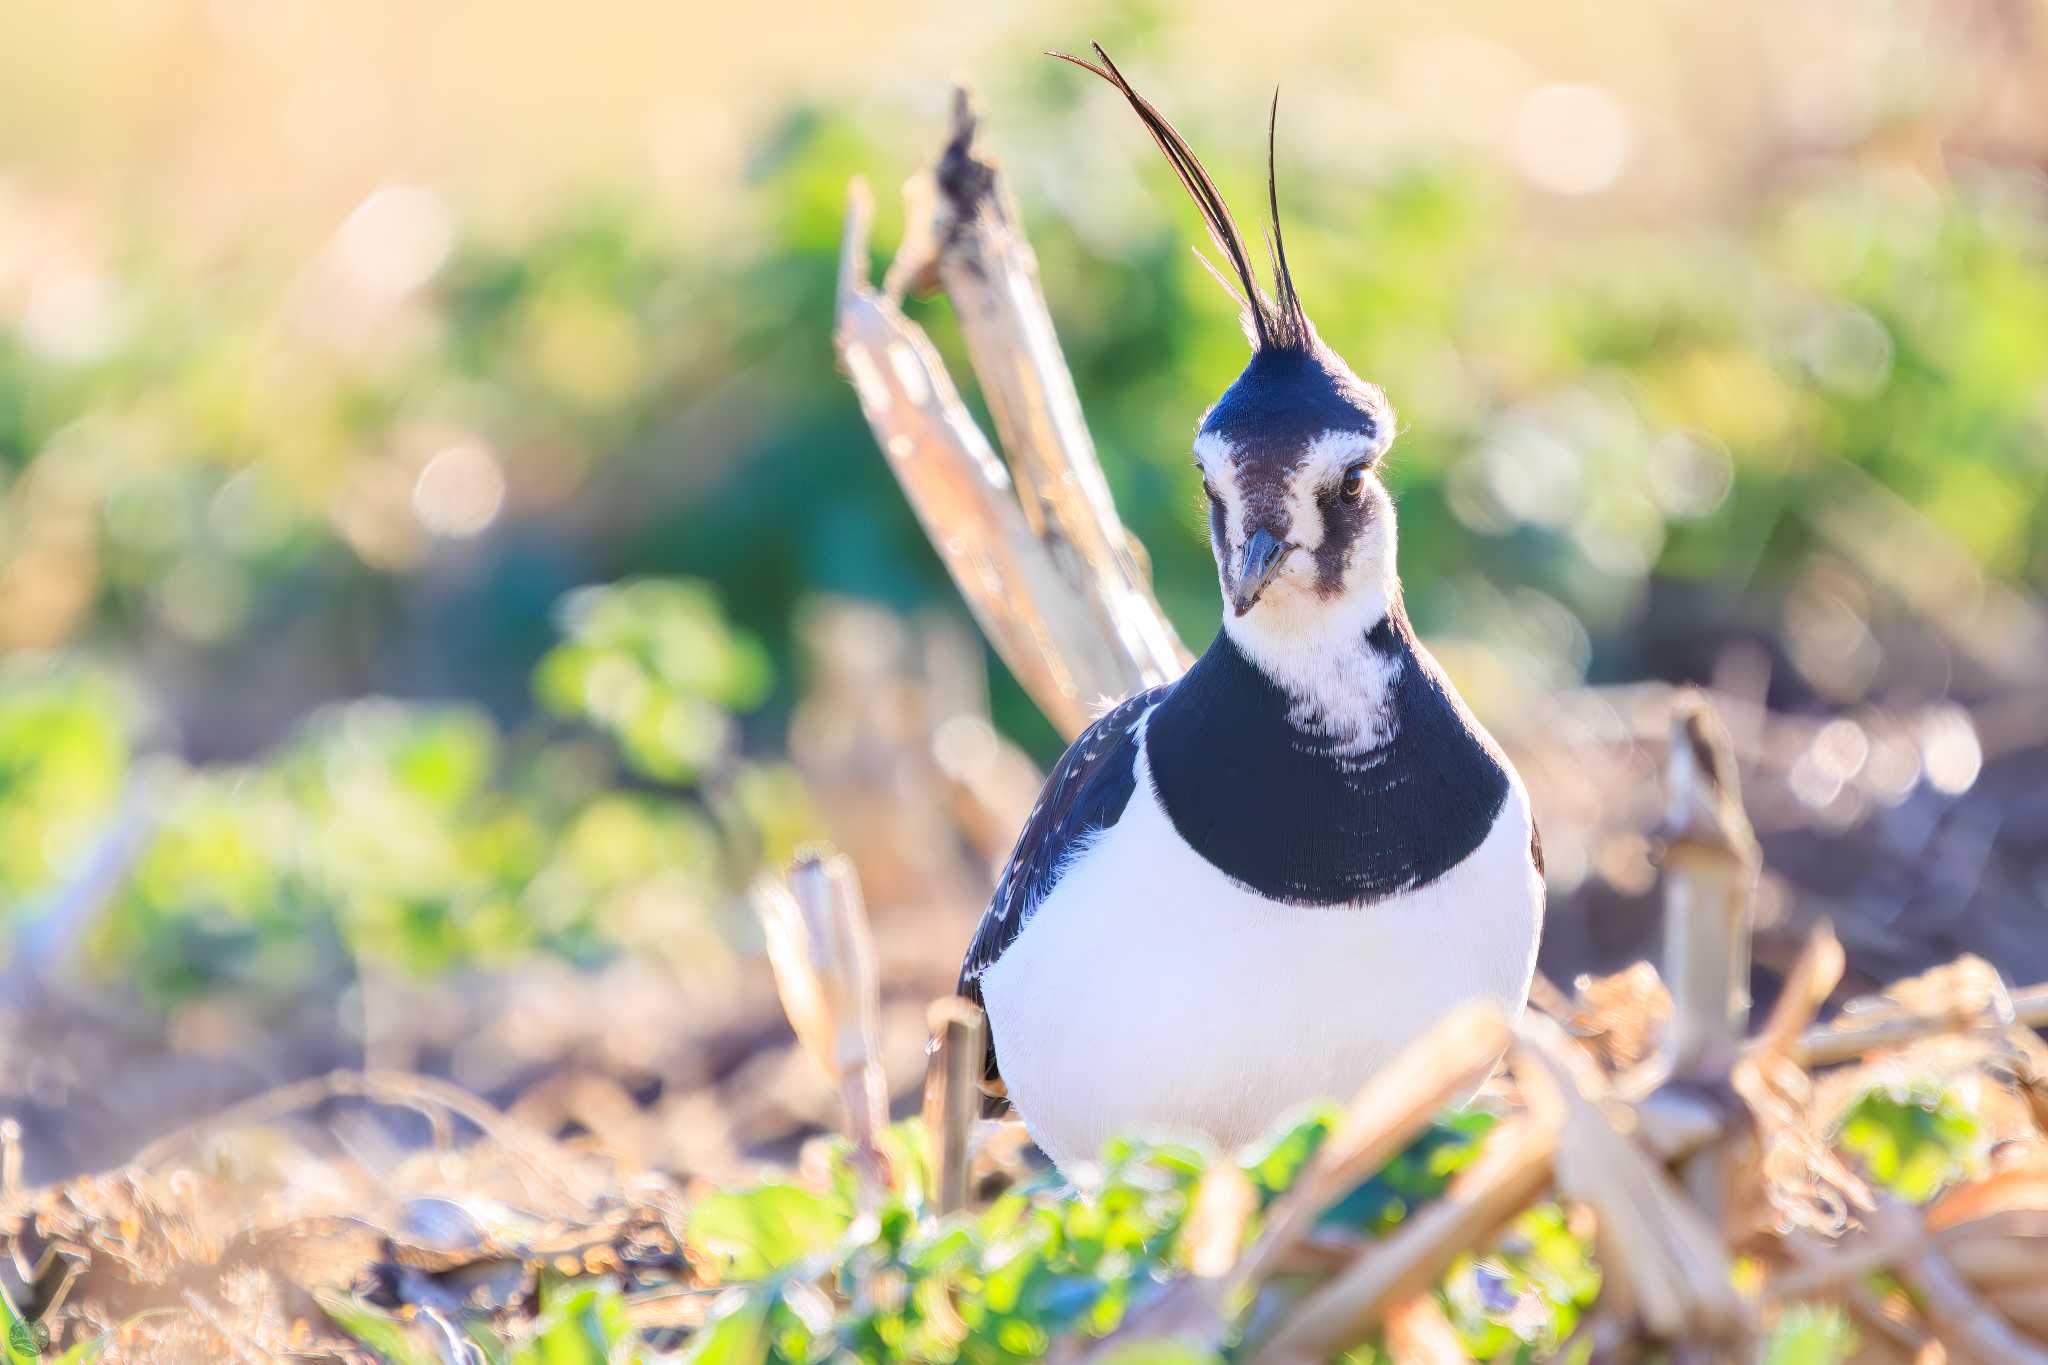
x: 1577, y: 415
x: 1811, y: 1334
x: 1416, y: 1176
x: 653, y: 664
x: 1913, y: 1138
x: 249, y: 494
x: 816, y: 1272
x: 578, y: 1323
x: 1038, y: 1263
x: 417, y: 837
x: 63, y: 753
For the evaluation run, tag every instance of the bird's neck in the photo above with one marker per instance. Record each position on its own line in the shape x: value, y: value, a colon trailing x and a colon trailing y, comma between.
x: 1338, y: 669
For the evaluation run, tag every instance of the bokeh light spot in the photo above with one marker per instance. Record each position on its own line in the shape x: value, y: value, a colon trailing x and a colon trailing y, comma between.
x: 396, y: 239
x: 1950, y: 750
x: 1572, y: 139
x: 460, y: 492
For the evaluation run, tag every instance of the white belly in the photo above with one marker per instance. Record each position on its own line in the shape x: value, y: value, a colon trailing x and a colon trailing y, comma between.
x: 1150, y: 995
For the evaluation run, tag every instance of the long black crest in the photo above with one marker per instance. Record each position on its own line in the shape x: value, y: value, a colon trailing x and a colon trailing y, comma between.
x: 1278, y: 322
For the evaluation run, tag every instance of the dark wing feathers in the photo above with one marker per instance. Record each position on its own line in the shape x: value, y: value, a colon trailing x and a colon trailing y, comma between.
x: 1086, y: 794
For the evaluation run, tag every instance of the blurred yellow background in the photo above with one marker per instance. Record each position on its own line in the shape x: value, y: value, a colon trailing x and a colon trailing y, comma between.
x: 275, y: 117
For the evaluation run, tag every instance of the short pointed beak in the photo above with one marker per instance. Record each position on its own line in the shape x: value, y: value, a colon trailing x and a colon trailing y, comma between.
x: 1263, y: 556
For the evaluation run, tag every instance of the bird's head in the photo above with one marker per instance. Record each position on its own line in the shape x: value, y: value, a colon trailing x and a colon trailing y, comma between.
x: 1301, y: 525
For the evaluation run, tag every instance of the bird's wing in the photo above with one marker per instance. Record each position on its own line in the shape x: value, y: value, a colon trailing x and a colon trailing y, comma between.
x: 1085, y: 795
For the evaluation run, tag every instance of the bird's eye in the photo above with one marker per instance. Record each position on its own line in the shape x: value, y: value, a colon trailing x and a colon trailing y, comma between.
x: 1352, y: 489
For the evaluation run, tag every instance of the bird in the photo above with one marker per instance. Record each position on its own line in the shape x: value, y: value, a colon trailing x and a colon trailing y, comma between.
x: 1248, y: 889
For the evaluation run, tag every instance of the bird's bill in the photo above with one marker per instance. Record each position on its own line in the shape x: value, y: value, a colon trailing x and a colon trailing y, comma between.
x: 1263, y: 556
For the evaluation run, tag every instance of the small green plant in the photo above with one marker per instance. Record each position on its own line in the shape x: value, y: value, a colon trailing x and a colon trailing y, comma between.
x: 822, y: 1271
x: 1913, y: 1139
x: 1807, y: 1334
x: 23, y: 1342
x: 817, y: 1280
x: 653, y: 664
x: 579, y: 1322
x: 416, y: 837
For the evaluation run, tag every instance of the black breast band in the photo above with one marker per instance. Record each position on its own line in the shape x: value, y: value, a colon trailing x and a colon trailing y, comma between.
x: 1305, y: 818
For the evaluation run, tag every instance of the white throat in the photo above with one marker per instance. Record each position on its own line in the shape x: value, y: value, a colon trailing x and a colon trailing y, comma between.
x: 1314, y: 646
x: 1317, y: 653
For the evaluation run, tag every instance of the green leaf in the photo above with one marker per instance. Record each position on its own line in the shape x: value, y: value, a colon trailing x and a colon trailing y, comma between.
x: 92, y: 1350
x: 1521, y: 1297
x: 494, y: 1349
x: 1913, y: 1139
x: 1809, y: 1334
x: 760, y: 1231
x: 388, y: 1337
x: 24, y: 1339
x: 738, y: 1338
x: 1158, y: 1353
x: 1421, y: 1172
x: 1276, y: 1162
x: 581, y: 1322
x: 86, y: 1352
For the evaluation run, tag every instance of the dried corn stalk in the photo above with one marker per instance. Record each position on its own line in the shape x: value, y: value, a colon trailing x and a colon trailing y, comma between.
x: 816, y: 927
x: 1710, y: 871
x: 1056, y: 583
x: 952, y: 1094
x: 1506, y: 1178
x: 1650, y: 1237
x: 1394, y: 1106
x: 987, y: 269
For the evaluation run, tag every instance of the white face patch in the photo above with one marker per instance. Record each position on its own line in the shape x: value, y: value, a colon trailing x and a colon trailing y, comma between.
x: 1294, y: 502
x: 1321, y: 469
x: 1217, y: 459
x: 1304, y: 633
